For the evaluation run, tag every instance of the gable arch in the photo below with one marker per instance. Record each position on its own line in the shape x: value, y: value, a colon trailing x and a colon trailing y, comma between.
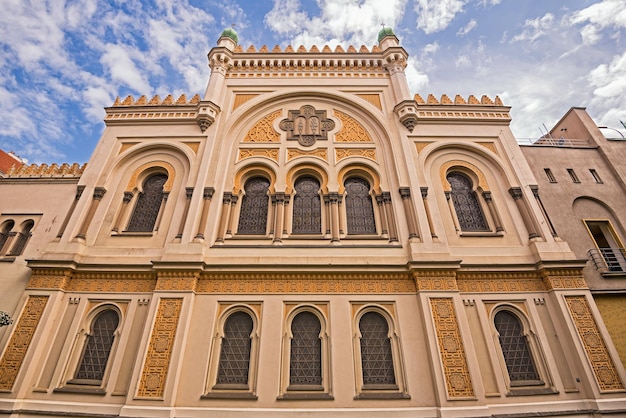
x: 465, y: 167
x: 147, y: 169
x: 359, y: 170
x: 307, y: 169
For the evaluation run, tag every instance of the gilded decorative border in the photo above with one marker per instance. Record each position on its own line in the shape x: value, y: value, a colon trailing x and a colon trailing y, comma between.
x: 49, y: 279
x: 263, y: 130
x: 305, y: 283
x: 500, y: 282
x: 563, y: 279
x: 271, y: 153
x: 16, y: 349
x: 435, y: 280
x: 155, y: 369
x: 342, y: 153
x: 112, y: 282
x: 187, y: 281
x: 451, y: 350
x: 594, y: 344
x: 351, y: 130
x: 295, y: 153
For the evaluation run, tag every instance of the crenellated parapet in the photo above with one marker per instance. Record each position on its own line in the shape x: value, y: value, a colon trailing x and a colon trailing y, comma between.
x: 156, y: 110
x: 418, y: 110
x: 50, y: 171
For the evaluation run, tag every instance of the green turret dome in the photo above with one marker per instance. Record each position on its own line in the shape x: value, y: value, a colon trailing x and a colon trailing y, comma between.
x: 385, y: 32
x: 230, y: 33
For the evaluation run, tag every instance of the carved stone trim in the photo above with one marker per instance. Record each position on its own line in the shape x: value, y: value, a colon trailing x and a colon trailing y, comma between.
x: 271, y: 153
x: 342, y: 153
x: 293, y: 153
x: 20, y: 340
x: 451, y: 349
x: 595, y: 347
x: 499, y: 282
x: 351, y: 130
x: 173, y: 280
x: 307, y: 125
x: 297, y: 283
x: 49, y: 279
x: 156, y: 366
x: 263, y: 130
x: 436, y: 280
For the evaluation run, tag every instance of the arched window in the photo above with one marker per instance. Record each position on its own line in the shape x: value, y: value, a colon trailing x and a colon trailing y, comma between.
x: 376, y: 354
x: 234, y: 363
x: 517, y: 356
x: 254, y: 207
x: 466, y: 205
x: 359, y: 207
x: 22, y: 238
x: 149, y: 201
x: 307, y: 209
x: 305, y: 364
x: 97, y: 349
x: 5, y: 233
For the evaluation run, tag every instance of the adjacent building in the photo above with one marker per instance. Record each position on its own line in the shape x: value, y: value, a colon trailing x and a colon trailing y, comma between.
x: 306, y: 238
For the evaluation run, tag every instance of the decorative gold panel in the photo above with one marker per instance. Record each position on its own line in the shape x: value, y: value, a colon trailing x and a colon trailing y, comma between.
x: 177, y: 280
x: 271, y: 153
x: 451, y: 350
x: 112, y: 282
x: 351, y: 130
x: 155, y: 369
x: 263, y: 130
x: 435, y: 280
x: 295, y: 153
x: 482, y: 182
x: 594, y: 344
x: 372, y: 98
x: 195, y: 146
x: 15, y: 352
x: 421, y: 145
x: 500, y: 282
x: 127, y: 145
x: 490, y: 146
x: 342, y: 153
x: 242, y: 98
x: 564, y: 279
x: 305, y: 283
x: 49, y: 279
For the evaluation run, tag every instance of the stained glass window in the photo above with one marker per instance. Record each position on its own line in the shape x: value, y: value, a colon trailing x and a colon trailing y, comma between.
x: 254, y: 206
x: 234, y: 364
x: 148, y: 204
x: 307, y: 209
x: 376, y: 357
x: 519, y: 362
x: 98, y: 347
x: 466, y: 205
x: 305, y: 366
x: 359, y: 208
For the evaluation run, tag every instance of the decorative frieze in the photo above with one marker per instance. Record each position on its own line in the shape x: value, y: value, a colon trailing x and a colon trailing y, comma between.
x: 177, y: 281
x: 296, y: 152
x: 263, y: 130
x: 351, y: 130
x: 451, y: 349
x: 271, y: 153
x: 156, y: 366
x: 230, y: 283
x: 498, y: 282
x: 20, y: 340
x: 563, y: 279
x: 593, y: 342
x: 435, y: 280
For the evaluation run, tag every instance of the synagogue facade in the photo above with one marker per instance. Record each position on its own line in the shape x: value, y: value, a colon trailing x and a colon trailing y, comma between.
x: 306, y: 238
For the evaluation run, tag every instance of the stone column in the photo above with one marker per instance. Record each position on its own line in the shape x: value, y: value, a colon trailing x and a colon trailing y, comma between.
x: 98, y: 193
x: 79, y: 193
x: 334, y: 216
x: 431, y: 227
x: 391, y: 219
x: 405, y: 193
x: 231, y: 216
x: 183, y: 220
x: 224, y: 217
x: 492, y: 210
x: 279, y: 217
x: 518, y: 196
x: 535, y: 190
x: 206, y: 203
x: 383, y: 216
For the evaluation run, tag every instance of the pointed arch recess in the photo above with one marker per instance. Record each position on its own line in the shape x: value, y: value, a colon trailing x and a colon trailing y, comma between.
x: 167, y: 187
x: 443, y: 171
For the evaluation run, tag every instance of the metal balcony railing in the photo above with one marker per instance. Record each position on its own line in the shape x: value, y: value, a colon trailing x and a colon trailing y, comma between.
x: 608, y: 260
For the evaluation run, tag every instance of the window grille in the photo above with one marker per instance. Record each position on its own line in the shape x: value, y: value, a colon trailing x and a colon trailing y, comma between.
x: 466, y: 205
x: 98, y: 347
x: 517, y: 356
x: 307, y: 210
x: 254, y: 207
x: 359, y: 208
x: 305, y: 366
x: 148, y: 204
x: 234, y: 364
x: 376, y: 356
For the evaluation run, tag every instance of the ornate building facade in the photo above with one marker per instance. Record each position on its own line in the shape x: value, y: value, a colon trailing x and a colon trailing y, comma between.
x: 305, y: 239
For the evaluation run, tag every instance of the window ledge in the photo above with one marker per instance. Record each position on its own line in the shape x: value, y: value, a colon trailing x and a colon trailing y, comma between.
x: 230, y: 395
x: 481, y: 234
x: 382, y: 395
x: 132, y: 234
x: 530, y: 391
x: 89, y: 390
x: 315, y: 396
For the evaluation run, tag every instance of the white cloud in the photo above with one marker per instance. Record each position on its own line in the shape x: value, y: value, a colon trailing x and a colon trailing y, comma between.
x: 436, y: 15
x: 467, y: 28
x: 121, y: 67
x: 599, y: 16
x: 535, y: 28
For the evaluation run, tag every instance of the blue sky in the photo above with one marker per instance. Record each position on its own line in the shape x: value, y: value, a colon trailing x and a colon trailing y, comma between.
x: 63, y: 61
